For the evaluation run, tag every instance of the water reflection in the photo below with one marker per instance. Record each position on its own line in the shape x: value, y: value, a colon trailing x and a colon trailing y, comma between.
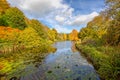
x: 73, y: 48
x: 65, y: 64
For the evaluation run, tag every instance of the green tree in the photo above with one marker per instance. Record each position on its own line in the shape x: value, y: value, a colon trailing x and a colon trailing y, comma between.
x: 2, y: 21
x: 15, y: 18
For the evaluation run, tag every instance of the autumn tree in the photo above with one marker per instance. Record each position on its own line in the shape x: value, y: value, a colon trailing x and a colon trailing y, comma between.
x: 95, y: 28
x: 64, y: 36
x: 84, y: 32
x: 113, y: 12
x: 55, y: 32
x: 60, y: 37
x: 52, y: 34
x: 39, y: 27
x: 73, y: 35
x: 3, y: 6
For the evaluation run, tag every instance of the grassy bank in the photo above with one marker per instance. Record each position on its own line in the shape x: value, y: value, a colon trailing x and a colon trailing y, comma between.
x: 106, y: 60
x: 20, y: 49
x: 15, y: 64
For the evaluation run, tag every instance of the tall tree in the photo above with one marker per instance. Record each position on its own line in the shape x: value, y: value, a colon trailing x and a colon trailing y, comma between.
x: 113, y: 32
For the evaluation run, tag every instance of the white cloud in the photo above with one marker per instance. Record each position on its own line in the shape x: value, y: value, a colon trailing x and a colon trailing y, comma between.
x: 61, y: 29
x: 59, y: 18
x: 53, y: 12
x: 39, y: 8
x: 81, y: 19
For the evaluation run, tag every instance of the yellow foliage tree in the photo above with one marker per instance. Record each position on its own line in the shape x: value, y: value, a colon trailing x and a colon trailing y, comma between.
x: 65, y: 36
x: 3, y: 5
x: 29, y: 37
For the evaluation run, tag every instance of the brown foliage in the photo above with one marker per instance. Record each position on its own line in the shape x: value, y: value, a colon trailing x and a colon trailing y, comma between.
x: 8, y: 32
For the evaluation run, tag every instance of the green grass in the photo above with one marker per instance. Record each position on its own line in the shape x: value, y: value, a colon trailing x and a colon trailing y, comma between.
x: 106, y: 60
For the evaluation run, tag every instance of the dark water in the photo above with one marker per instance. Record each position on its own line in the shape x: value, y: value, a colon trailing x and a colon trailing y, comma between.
x: 65, y: 64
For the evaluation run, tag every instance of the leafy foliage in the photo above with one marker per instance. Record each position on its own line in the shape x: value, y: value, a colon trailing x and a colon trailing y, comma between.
x: 39, y: 28
x: 15, y: 18
x: 8, y: 33
x: 113, y: 12
x: 104, y: 30
x: 73, y: 35
x: 113, y: 33
x: 3, y: 6
x: 22, y: 41
x: 31, y: 40
x: 105, y: 59
x: 52, y: 34
x: 2, y: 21
x: 95, y: 29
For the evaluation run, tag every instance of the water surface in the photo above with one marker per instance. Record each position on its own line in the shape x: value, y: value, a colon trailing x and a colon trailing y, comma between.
x: 65, y: 64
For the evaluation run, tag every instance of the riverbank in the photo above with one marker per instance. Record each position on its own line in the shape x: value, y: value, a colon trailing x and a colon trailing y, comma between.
x: 64, y: 64
x: 15, y: 64
x: 105, y: 59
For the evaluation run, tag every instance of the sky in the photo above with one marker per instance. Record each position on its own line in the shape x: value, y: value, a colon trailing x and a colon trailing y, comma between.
x: 63, y: 15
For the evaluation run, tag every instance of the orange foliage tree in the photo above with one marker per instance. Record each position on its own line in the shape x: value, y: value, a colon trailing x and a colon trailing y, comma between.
x: 73, y: 35
x: 8, y: 33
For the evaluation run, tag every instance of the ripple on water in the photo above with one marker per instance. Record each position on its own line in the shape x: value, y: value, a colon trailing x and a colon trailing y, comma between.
x: 64, y: 64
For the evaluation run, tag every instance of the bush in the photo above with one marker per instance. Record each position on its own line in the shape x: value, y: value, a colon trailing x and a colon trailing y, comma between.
x: 3, y: 22
x: 15, y: 18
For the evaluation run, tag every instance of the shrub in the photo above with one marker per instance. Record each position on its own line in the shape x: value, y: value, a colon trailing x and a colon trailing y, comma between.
x: 15, y: 18
x: 3, y: 22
